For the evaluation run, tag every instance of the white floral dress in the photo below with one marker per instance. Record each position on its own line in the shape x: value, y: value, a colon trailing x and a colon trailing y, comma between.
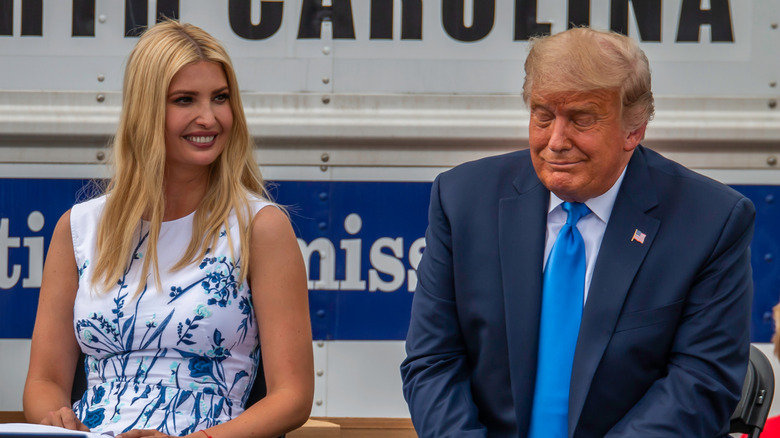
x: 177, y: 360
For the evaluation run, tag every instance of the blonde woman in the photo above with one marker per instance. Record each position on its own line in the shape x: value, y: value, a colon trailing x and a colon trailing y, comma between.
x: 177, y: 279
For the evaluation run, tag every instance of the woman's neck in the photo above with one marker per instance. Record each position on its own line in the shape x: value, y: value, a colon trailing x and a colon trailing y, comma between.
x: 183, y: 193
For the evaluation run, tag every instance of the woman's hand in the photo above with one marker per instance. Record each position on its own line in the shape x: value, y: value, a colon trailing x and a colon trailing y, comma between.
x: 64, y: 417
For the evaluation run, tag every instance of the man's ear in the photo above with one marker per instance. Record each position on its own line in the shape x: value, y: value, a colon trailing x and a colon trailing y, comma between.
x: 634, y: 137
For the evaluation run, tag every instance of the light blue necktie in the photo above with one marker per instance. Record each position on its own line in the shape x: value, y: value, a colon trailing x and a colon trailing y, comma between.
x: 563, y: 290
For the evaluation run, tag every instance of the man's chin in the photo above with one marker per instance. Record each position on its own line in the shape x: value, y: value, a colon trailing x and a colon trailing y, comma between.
x: 563, y: 185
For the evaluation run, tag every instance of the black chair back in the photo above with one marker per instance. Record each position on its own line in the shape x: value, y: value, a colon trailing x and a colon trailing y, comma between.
x: 259, y: 389
x: 79, y: 379
x: 757, y: 392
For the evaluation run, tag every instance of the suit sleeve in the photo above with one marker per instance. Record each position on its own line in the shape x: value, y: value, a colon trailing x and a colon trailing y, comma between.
x: 709, y: 355
x: 436, y: 376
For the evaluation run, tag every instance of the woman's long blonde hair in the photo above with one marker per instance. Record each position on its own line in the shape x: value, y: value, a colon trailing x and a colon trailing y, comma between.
x: 136, y: 190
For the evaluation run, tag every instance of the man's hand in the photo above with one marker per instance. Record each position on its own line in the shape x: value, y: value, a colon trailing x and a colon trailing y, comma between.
x: 64, y: 417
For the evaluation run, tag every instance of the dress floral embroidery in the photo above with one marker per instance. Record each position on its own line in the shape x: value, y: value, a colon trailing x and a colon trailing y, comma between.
x: 176, y: 360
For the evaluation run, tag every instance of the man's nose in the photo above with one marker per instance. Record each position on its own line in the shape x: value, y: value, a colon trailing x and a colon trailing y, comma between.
x: 559, y: 141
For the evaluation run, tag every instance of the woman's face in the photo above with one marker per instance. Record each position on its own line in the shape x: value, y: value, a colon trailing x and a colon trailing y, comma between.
x: 198, y: 116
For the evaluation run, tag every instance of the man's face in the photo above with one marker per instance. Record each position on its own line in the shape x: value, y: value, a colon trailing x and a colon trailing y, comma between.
x: 578, y: 144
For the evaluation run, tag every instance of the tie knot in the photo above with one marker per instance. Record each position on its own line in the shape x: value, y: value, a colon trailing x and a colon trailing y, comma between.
x: 576, y: 211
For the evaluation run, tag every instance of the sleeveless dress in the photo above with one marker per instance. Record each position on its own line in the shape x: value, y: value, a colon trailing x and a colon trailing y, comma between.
x: 177, y: 360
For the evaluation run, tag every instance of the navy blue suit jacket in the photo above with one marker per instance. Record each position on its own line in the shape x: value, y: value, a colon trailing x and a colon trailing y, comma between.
x: 664, y: 339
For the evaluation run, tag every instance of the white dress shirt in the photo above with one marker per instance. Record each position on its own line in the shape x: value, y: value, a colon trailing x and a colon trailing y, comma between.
x: 592, y: 226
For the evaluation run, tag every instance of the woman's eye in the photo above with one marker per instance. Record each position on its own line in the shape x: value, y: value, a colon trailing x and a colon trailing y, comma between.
x: 182, y: 100
x: 224, y: 97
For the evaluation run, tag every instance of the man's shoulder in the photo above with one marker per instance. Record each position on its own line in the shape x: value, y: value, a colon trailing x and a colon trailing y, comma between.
x: 677, y: 179
x: 488, y: 178
x: 492, y: 167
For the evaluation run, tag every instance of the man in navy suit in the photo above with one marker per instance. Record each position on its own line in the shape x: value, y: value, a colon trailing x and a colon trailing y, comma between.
x: 662, y: 346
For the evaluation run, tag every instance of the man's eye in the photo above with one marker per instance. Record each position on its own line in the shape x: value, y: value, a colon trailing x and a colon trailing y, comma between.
x: 543, y: 117
x: 584, y: 121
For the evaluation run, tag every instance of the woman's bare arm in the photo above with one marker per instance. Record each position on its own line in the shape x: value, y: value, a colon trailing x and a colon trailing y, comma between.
x: 54, y: 350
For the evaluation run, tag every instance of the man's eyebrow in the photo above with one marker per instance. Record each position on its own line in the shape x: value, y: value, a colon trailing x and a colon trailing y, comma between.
x: 585, y: 107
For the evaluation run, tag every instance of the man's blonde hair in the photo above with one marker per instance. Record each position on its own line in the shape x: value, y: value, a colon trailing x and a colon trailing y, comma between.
x: 584, y: 59
x: 136, y: 190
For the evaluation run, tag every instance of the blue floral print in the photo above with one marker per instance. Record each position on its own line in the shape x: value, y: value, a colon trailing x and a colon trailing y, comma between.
x: 94, y: 418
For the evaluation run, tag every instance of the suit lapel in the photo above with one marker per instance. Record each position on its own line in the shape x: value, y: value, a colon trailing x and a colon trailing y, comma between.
x: 618, y: 261
x: 522, y: 225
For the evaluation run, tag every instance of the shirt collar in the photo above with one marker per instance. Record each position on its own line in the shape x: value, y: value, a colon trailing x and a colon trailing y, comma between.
x: 601, y: 205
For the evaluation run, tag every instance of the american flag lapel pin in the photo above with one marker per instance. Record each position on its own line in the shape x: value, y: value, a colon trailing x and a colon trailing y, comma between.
x: 638, y: 236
